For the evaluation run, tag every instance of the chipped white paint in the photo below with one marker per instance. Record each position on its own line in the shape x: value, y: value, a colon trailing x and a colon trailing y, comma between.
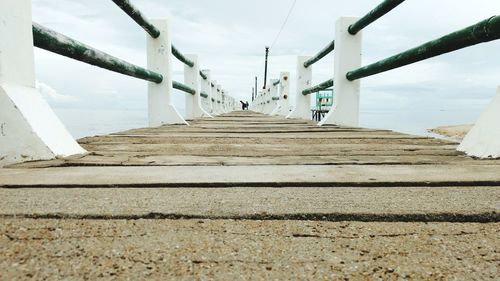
x: 29, y: 129
x: 192, y: 79
x: 483, y: 140
x: 345, y: 111
x: 161, y: 110
x: 283, y: 107
x: 302, y: 107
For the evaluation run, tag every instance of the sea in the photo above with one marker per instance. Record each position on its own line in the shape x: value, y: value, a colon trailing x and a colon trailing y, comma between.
x: 91, y: 122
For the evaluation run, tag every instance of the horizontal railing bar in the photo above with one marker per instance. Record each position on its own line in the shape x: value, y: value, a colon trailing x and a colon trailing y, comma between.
x: 276, y: 98
x: 182, y: 87
x: 213, y: 100
x: 203, y: 75
x: 137, y: 16
x: 325, y: 85
x: 203, y: 95
x: 484, y: 31
x: 276, y: 83
x: 181, y: 57
x: 212, y: 84
x: 55, y: 42
x: 325, y: 51
x: 379, y: 11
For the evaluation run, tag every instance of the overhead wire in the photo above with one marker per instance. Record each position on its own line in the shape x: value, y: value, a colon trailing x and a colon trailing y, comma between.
x: 284, y: 23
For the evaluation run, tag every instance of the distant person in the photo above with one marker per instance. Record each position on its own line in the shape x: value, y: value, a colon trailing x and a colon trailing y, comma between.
x: 247, y: 105
x: 243, y: 105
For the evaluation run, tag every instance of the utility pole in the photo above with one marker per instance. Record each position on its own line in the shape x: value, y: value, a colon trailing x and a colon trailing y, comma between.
x: 265, y: 69
x: 253, y: 92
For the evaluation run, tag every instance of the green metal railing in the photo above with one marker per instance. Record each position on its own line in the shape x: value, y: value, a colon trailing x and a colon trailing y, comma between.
x: 484, y: 31
x: 137, y: 16
x: 379, y: 11
x: 276, y: 83
x: 275, y: 98
x: 182, y: 87
x: 203, y: 76
x: 52, y: 41
x: 328, y: 49
x: 55, y: 42
x: 181, y: 57
x: 323, y: 86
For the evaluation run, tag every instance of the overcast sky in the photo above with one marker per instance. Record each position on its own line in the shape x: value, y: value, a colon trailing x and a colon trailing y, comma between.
x: 229, y: 36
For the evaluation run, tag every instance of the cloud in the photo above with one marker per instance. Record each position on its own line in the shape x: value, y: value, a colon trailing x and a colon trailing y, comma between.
x: 53, y: 97
x: 229, y: 37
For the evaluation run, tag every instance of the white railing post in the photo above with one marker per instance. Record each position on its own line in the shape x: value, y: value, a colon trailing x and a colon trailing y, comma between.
x: 160, y: 107
x: 273, y: 93
x: 29, y: 129
x: 213, y: 98
x: 206, y: 88
x: 261, y: 101
x: 302, y: 107
x: 218, y: 99
x: 345, y: 110
x: 483, y: 140
x: 283, y: 108
x: 223, y: 100
x: 192, y: 79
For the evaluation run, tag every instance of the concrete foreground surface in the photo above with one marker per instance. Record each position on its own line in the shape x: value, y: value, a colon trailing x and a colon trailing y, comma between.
x: 246, y: 250
x: 245, y: 196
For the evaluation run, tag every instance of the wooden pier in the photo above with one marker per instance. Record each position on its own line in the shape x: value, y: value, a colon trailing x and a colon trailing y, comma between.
x: 252, y: 195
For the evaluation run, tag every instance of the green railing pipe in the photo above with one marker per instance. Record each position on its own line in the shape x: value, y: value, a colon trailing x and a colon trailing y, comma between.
x: 137, y: 16
x: 275, y: 98
x: 276, y: 83
x: 379, y: 11
x: 325, y: 85
x: 181, y: 57
x: 52, y: 41
x: 182, y: 87
x: 484, y: 31
x: 328, y: 49
x: 203, y: 95
x: 203, y: 75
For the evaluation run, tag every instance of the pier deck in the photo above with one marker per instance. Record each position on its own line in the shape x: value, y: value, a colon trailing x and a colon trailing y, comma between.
x: 248, y: 195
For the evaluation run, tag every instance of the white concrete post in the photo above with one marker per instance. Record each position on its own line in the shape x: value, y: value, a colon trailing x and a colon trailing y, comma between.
x: 273, y: 93
x: 206, y: 88
x: 213, y: 98
x: 218, y: 100
x: 160, y: 107
x: 283, y: 108
x: 29, y: 129
x: 265, y: 97
x: 345, y: 110
x: 223, y: 101
x: 192, y: 79
x: 302, y: 107
x: 260, y: 99
x: 483, y: 140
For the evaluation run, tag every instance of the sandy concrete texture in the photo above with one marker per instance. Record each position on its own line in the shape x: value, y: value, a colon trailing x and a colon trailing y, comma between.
x: 246, y: 250
x: 372, y: 204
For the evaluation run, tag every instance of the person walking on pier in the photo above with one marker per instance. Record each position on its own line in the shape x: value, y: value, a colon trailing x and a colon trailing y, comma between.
x: 244, y: 105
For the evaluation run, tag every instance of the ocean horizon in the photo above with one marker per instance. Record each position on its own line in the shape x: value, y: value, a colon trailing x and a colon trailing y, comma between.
x: 92, y: 122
